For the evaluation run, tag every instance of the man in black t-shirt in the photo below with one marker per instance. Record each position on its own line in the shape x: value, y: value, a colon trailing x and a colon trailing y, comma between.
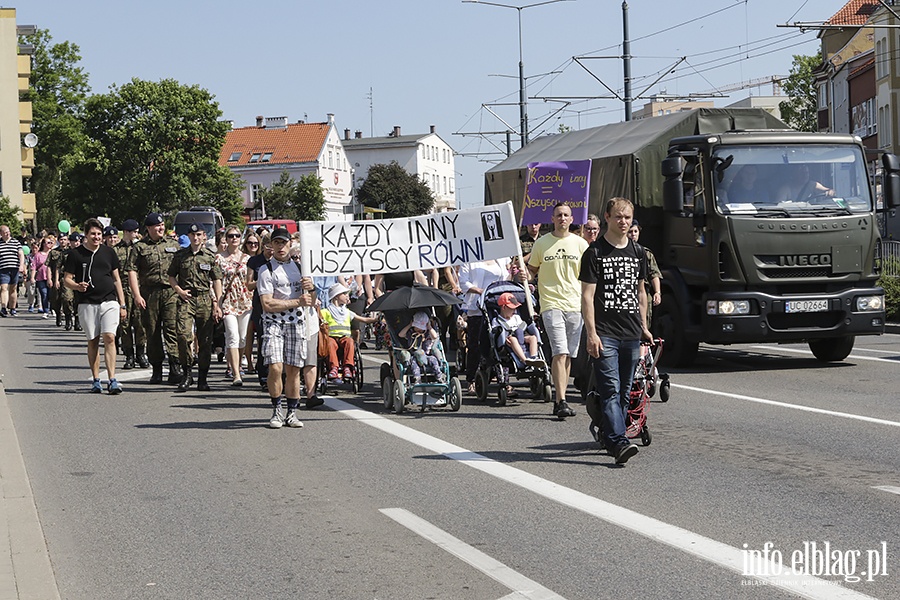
x: 92, y: 272
x: 614, y: 307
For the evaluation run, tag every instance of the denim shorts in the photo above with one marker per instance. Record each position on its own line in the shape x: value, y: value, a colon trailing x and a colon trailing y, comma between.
x: 10, y: 275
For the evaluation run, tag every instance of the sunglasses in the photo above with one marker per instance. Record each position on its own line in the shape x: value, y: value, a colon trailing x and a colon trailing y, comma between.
x: 252, y: 243
x: 233, y: 236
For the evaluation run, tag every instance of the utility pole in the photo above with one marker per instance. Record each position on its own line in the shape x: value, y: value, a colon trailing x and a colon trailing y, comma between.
x: 626, y: 60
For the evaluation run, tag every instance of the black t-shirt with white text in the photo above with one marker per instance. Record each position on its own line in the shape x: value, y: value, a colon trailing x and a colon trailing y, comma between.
x: 95, y: 268
x: 617, y: 273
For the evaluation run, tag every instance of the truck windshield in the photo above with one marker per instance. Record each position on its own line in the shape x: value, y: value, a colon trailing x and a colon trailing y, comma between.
x: 789, y: 181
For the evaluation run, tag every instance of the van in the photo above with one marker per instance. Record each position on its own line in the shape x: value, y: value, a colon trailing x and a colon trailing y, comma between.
x: 207, y: 216
x: 273, y: 224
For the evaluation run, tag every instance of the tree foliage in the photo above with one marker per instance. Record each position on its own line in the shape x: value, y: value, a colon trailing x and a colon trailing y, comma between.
x: 401, y: 194
x: 302, y: 200
x: 800, y: 110
x: 58, y: 91
x: 150, y: 146
x: 9, y: 215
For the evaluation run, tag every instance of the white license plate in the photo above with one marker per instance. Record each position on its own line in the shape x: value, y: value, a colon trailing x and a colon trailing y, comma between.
x: 800, y: 306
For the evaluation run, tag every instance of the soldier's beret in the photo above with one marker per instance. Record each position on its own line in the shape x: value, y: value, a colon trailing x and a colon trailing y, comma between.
x: 110, y: 230
x: 130, y: 225
x: 153, y: 219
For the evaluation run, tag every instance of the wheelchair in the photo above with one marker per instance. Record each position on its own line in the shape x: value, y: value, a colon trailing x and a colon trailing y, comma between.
x: 355, y: 383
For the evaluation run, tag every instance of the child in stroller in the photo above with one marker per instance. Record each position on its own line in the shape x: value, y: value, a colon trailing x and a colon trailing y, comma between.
x: 421, y: 336
x: 512, y: 330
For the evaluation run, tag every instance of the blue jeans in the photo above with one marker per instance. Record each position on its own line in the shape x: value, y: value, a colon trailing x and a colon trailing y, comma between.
x: 43, y: 292
x: 614, y: 372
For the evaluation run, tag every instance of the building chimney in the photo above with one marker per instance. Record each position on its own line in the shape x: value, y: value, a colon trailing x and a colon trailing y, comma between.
x: 259, y: 120
x: 347, y: 134
x: 396, y: 132
x: 358, y: 134
x: 431, y: 128
x: 331, y: 118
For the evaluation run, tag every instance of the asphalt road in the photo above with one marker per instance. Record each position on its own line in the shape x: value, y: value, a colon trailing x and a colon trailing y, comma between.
x: 154, y: 494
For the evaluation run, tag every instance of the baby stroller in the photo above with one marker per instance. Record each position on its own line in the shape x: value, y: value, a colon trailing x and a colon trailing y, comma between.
x: 647, y: 381
x: 398, y: 388
x: 498, y: 361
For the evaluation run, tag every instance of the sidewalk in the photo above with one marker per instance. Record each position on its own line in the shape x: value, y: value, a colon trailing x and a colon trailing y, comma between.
x: 25, y: 569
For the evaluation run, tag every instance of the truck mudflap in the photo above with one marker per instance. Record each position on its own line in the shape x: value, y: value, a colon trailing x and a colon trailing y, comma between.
x: 776, y: 318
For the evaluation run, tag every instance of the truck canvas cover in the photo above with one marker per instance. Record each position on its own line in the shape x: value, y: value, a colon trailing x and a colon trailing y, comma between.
x: 625, y: 157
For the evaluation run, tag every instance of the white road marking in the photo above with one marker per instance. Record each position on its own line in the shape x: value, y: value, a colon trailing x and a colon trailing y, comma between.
x: 811, y: 409
x: 718, y: 553
x: 888, y: 488
x: 808, y: 353
x: 522, y: 587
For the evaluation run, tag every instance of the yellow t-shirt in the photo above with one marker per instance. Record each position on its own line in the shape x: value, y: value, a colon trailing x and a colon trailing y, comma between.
x: 559, y: 261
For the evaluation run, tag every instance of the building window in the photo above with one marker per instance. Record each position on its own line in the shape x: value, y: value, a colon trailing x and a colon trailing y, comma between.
x: 330, y: 159
x: 256, y: 190
x: 445, y: 186
x: 886, y: 127
x: 267, y: 157
x: 879, y: 58
x: 423, y: 151
x: 452, y: 185
x: 823, y: 95
x: 235, y: 156
x: 255, y: 157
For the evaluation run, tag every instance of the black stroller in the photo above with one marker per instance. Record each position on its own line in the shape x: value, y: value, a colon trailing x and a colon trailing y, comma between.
x: 497, y: 361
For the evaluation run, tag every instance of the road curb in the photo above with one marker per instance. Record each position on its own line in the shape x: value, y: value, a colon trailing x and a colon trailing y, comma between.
x: 892, y: 327
x: 26, y: 572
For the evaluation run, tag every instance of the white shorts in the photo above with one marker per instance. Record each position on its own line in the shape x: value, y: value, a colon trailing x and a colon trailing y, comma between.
x: 563, y: 330
x: 99, y: 318
x: 236, y: 329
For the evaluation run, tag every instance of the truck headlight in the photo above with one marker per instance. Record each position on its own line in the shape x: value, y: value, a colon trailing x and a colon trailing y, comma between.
x: 869, y: 303
x: 728, y: 307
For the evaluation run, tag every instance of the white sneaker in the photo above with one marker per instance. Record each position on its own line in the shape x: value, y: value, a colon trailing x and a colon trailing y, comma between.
x: 292, y: 420
x: 277, y: 419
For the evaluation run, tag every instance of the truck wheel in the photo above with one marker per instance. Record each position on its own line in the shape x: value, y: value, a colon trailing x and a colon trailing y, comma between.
x: 670, y: 324
x: 832, y: 349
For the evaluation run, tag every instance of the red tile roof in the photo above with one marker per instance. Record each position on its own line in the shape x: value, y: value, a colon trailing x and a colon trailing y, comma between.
x: 855, y: 12
x: 298, y: 143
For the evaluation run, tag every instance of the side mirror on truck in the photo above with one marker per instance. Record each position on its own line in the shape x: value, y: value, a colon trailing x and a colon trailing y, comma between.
x: 890, y: 180
x: 673, y: 186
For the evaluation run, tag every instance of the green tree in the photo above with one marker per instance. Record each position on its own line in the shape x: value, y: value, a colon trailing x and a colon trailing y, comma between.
x: 310, y: 199
x: 401, y: 193
x: 800, y: 110
x: 9, y: 215
x: 58, y: 91
x: 150, y: 146
x: 279, y: 197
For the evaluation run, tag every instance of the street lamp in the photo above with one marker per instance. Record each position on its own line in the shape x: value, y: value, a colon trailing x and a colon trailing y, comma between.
x: 523, y: 111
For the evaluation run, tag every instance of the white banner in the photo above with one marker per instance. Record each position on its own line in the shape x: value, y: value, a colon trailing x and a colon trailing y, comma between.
x: 397, y: 245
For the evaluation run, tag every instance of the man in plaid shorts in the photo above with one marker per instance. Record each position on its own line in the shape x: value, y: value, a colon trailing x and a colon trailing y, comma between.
x: 290, y: 331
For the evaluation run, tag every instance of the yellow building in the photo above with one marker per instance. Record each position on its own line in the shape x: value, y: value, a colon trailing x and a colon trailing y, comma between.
x: 16, y: 158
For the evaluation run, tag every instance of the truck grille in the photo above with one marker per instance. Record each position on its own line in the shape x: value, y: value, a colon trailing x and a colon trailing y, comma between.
x: 798, y: 272
x: 785, y: 321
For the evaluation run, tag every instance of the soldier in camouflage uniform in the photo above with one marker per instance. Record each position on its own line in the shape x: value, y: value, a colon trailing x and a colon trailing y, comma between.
x: 147, y: 268
x: 192, y: 271
x: 132, y: 337
x: 66, y: 296
x: 56, y: 259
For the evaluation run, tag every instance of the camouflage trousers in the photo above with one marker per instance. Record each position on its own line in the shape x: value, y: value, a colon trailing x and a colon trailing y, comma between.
x: 131, y: 328
x: 159, y: 323
x: 195, y: 315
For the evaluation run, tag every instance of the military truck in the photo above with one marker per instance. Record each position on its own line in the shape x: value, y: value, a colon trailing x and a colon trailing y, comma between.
x: 763, y: 234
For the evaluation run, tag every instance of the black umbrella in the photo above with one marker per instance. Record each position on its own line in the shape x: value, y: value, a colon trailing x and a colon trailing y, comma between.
x: 417, y: 296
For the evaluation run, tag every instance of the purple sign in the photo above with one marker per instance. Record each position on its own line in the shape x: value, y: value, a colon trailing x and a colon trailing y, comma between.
x: 552, y: 183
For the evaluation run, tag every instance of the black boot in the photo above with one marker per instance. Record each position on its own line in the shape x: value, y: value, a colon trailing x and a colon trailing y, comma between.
x: 174, y: 372
x: 141, y: 353
x: 59, y: 318
x: 77, y: 324
x: 202, y: 384
x: 156, y: 377
x: 186, y: 380
x: 129, y: 362
x: 68, y: 323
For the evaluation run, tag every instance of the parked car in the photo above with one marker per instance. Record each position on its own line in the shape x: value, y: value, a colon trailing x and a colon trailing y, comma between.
x: 272, y: 224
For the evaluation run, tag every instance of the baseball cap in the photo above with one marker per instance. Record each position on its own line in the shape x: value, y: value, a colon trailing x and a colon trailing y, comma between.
x: 507, y: 299
x: 130, y: 225
x: 153, y: 219
x: 110, y: 230
x: 281, y: 234
x: 337, y: 288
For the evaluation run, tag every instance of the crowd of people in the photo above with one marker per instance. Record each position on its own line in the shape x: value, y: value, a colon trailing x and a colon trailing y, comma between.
x: 156, y: 298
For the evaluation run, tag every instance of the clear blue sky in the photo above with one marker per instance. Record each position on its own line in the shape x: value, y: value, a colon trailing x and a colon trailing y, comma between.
x: 428, y: 62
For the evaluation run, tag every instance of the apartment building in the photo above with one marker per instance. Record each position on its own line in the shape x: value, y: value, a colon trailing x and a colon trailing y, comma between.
x: 16, y: 152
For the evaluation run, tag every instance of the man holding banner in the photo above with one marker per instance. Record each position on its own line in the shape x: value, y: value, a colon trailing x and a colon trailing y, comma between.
x: 556, y: 261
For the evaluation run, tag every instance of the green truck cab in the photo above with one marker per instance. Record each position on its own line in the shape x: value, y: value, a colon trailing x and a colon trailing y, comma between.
x: 762, y: 233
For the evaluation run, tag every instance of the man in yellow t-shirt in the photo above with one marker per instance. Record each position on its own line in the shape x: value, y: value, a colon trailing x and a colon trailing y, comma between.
x: 557, y: 258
